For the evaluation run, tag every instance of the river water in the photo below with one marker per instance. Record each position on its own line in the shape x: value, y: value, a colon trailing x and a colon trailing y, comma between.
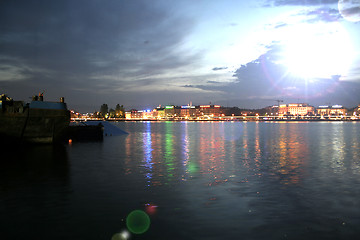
x: 195, y: 180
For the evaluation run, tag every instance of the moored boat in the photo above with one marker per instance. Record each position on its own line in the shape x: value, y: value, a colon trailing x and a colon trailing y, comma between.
x: 38, y: 121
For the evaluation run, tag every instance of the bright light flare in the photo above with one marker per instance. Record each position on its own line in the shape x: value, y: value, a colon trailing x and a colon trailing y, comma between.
x: 318, y: 51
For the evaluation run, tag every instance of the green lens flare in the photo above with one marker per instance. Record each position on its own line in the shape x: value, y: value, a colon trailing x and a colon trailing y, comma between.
x: 138, y: 222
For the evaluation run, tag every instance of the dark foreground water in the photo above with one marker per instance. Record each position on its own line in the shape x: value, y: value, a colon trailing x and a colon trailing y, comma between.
x: 196, y: 180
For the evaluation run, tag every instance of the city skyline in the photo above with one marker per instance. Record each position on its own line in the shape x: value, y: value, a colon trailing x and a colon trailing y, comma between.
x: 141, y: 53
x: 211, y: 104
x: 289, y: 111
x: 283, y: 108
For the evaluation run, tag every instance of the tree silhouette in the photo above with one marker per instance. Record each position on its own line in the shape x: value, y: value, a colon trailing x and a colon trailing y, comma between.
x: 104, y: 109
x: 119, y: 111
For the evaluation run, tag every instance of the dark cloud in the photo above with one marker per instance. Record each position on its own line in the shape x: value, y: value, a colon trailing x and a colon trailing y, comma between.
x: 219, y: 68
x: 87, y: 46
x: 349, y: 11
x: 300, y: 2
x: 215, y: 82
x: 310, y: 16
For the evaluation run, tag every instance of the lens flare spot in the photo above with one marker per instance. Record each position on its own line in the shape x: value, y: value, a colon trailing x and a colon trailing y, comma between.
x: 124, y: 235
x: 138, y: 222
x: 150, y: 208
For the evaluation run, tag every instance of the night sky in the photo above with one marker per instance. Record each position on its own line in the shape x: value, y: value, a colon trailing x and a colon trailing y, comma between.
x: 142, y: 53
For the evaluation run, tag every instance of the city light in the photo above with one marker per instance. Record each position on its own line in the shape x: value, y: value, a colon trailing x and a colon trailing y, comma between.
x: 289, y: 111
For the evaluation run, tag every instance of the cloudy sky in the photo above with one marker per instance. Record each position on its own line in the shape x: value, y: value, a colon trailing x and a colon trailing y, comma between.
x: 142, y: 53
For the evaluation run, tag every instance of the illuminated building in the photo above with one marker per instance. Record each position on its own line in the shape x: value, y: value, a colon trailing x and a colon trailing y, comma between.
x: 147, y: 114
x: 142, y: 114
x: 136, y: 114
x: 177, y: 112
x: 185, y: 111
x: 169, y: 111
x: 357, y: 110
x: 210, y: 110
x: 74, y: 115
x: 159, y: 113
x: 296, y: 109
x: 127, y: 115
x: 172, y: 111
x: 189, y: 112
x: 335, y: 110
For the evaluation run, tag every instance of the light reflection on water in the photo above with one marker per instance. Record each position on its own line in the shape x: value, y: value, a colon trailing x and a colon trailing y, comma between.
x: 267, y: 173
x: 208, y: 180
x: 181, y: 151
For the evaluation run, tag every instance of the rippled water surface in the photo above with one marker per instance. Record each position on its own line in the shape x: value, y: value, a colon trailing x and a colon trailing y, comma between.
x: 195, y: 180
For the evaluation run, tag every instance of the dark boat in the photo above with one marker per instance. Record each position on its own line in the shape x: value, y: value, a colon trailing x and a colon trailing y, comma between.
x: 37, y: 122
